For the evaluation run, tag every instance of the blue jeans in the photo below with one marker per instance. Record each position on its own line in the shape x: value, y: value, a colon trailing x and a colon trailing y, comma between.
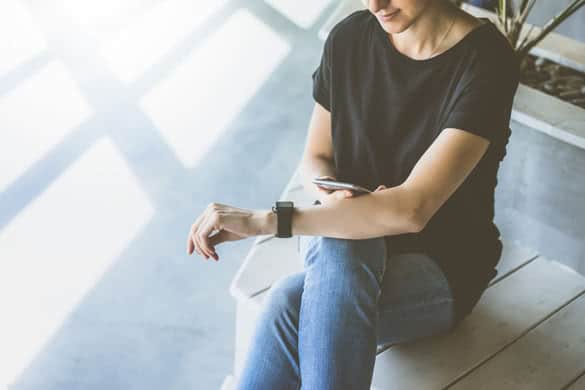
x: 320, y: 328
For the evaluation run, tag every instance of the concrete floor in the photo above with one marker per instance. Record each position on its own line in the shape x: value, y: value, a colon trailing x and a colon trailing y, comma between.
x: 121, y: 121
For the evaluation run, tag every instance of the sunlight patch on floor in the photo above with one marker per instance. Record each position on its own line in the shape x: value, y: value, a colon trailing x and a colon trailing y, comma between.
x: 146, y: 41
x: 60, y: 245
x: 20, y: 39
x: 195, y: 103
x: 303, y: 13
x: 36, y: 116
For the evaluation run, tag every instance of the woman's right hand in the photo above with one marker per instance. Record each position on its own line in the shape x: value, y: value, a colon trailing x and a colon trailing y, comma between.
x: 325, y: 195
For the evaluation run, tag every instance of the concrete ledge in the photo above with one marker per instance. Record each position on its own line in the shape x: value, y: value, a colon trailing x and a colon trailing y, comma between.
x: 550, y: 115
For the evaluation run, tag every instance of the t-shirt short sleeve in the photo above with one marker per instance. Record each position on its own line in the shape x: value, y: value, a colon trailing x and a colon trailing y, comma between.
x: 322, y: 76
x: 483, y: 104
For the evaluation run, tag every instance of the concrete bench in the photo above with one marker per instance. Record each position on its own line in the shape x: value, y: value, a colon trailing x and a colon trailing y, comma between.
x: 527, y: 330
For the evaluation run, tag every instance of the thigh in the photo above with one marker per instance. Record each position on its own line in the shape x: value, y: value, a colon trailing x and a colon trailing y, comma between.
x: 305, y: 243
x: 416, y: 300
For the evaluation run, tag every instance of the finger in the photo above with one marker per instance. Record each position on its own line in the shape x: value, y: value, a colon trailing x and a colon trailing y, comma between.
x: 197, y: 236
x: 204, y: 231
x: 191, y: 243
x: 208, y: 244
x: 191, y: 247
x: 221, y: 236
x: 216, y: 239
x: 212, y: 252
x: 342, y: 194
x: 196, y: 245
x: 323, y: 189
x: 199, y: 245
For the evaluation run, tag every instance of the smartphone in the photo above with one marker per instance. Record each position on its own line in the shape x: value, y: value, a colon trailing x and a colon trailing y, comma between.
x: 339, y: 185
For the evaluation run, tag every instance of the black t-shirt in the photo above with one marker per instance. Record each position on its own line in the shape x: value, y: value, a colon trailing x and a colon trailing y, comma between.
x: 386, y: 110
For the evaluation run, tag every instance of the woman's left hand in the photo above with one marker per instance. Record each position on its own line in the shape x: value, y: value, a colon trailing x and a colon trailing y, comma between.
x: 231, y: 224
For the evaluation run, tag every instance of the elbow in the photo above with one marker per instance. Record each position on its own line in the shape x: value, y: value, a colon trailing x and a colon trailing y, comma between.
x: 417, y: 215
x: 423, y: 211
x: 417, y: 222
x: 405, y: 210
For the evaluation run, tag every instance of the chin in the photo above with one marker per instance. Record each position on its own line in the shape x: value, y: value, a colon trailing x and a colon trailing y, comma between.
x: 393, y: 27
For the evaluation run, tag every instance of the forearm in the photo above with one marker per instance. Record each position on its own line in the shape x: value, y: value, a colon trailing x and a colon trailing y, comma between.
x: 312, y: 167
x: 380, y: 213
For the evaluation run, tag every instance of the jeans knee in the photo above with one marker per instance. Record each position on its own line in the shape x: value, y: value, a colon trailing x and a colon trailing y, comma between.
x: 348, y: 256
x: 284, y: 296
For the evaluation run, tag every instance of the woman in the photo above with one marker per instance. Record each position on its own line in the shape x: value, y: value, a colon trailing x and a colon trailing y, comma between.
x: 413, y: 101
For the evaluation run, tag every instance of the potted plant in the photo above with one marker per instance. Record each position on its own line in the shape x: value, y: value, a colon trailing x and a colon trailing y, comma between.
x: 540, y: 73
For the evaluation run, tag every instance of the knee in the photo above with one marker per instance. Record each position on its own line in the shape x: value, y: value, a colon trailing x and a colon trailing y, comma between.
x: 350, y: 257
x: 284, y: 296
x: 355, y: 248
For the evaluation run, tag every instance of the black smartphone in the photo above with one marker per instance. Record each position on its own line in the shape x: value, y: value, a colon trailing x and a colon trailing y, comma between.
x: 339, y: 185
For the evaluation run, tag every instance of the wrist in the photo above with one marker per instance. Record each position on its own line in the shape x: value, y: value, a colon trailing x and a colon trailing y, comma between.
x: 268, y: 222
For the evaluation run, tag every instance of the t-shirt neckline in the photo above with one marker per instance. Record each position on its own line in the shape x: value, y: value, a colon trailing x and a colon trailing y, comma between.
x: 439, y: 57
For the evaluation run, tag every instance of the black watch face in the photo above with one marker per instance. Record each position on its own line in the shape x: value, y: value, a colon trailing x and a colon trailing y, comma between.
x: 284, y: 203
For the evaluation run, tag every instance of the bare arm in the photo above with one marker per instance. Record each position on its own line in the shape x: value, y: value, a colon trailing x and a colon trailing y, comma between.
x: 356, y: 217
x: 402, y: 209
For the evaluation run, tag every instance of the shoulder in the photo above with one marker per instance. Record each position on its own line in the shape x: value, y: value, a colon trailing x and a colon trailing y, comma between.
x: 489, y: 58
x: 491, y: 53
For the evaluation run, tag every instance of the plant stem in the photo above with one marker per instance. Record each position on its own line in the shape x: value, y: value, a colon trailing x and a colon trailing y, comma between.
x: 551, y: 25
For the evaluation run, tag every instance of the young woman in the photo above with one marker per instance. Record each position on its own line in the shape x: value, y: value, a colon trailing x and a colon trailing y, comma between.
x: 413, y: 101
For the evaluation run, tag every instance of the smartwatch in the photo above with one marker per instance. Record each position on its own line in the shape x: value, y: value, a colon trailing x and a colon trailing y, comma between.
x: 283, y: 210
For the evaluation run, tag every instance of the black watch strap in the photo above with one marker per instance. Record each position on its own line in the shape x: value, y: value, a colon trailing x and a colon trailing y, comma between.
x: 284, y: 211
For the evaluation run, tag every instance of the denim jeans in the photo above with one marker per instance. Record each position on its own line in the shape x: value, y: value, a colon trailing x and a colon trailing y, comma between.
x: 319, y: 329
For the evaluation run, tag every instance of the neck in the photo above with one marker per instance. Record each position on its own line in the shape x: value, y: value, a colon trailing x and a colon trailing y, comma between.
x: 422, y: 37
